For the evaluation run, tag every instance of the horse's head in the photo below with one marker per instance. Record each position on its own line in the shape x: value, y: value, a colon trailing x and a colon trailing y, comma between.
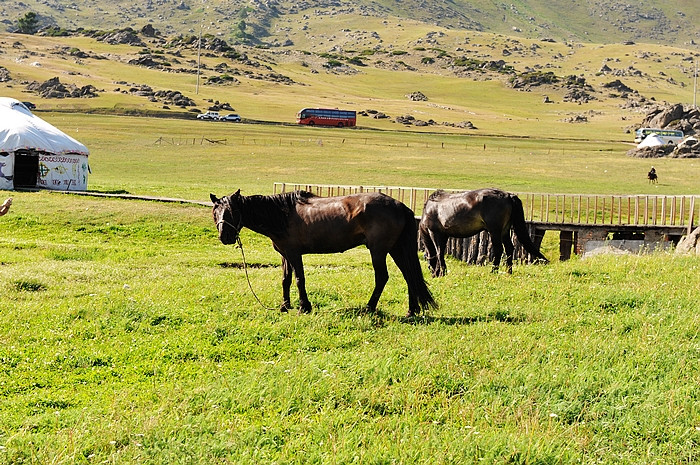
x: 228, y: 217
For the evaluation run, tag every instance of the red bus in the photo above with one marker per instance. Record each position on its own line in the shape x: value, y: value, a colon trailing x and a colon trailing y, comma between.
x: 327, y: 117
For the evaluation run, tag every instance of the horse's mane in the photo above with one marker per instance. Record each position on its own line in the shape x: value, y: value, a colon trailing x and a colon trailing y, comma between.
x: 438, y: 194
x: 273, y: 210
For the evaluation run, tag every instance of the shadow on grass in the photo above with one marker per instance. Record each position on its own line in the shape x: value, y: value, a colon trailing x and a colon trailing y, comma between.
x: 502, y: 317
x: 112, y: 192
x: 240, y: 266
x: 381, y: 318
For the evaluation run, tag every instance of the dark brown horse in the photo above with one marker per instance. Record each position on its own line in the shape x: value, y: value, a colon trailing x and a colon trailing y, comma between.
x: 467, y: 213
x: 652, y: 176
x: 301, y: 223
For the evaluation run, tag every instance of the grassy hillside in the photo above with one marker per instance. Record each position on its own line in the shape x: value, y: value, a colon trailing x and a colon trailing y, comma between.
x: 454, y: 70
x: 595, y: 21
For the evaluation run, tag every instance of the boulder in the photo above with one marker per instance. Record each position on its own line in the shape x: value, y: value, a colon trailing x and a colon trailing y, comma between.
x: 149, y: 31
x: 417, y: 97
x: 618, y: 86
x: 125, y: 36
x: 690, y: 244
x: 651, y: 152
x: 4, y: 74
x: 663, y: 116
x: 54, y: 88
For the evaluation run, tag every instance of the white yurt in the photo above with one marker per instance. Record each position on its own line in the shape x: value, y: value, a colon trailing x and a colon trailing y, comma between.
x: 35, y: 154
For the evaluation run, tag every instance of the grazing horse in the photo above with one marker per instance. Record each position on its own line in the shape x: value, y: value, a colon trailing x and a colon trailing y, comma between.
x: 467, y: 213
x: 652, y: 176
x: 301, y: 223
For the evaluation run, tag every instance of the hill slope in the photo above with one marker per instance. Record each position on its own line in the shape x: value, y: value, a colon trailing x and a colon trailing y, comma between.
x: 595, y: 21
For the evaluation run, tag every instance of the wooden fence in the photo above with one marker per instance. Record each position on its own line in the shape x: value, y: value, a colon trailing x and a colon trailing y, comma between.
x: 574, y: 209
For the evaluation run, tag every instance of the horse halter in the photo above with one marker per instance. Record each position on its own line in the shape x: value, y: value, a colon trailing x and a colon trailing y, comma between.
x: 222, y: 220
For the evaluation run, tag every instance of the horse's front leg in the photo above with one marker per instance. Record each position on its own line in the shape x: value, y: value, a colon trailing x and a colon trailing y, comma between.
x: 381, y: 276
x: 286, y: 284
x: 441, y: 246
x: 430, y: 252
x: 298, y: 266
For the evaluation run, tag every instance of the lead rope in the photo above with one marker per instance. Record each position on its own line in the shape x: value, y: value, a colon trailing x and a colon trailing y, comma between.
x: 245, y: 268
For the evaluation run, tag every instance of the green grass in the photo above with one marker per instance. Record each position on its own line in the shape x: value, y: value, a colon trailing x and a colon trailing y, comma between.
x: 254, y: 157
x: 129, y: 335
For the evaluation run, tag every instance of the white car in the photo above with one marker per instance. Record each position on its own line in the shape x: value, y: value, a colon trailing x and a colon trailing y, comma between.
x: 234, y: 118
x: 212, y: 115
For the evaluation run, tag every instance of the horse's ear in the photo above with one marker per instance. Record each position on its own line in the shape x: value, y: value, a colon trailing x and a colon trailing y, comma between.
x: 238, y: 193
x: 213, y: 198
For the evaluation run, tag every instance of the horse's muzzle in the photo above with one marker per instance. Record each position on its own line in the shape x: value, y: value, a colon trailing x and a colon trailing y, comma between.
x: 228, y: 233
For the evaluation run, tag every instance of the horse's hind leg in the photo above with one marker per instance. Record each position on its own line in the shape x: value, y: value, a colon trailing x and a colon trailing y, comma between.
x: 510, y: 249
x: 297, y: 265
x: 405, y: 268
x: 381, y: 276
x: 497, y: 250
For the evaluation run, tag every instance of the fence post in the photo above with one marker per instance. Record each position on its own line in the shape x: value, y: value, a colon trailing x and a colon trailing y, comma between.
x: 692, y: 213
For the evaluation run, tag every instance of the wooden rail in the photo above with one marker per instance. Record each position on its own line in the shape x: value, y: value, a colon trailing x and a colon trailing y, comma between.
x: 572, y: 209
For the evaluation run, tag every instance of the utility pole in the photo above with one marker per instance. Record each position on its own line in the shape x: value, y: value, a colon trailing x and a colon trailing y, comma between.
x: 199, y: 54
x: 695, y: 86
x: 199, y: 43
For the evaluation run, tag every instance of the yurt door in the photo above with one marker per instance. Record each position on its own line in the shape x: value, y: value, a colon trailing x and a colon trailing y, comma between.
x: 26, y: 169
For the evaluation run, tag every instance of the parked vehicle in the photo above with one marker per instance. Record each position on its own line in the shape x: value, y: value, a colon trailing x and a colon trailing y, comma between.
x: 210, y: 115
x: 667, y: 136
x: 234, y: 118
x: 326, y: 117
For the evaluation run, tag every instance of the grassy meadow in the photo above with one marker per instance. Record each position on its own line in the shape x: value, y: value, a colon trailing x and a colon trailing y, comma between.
x: 174, y: 158
x: 129, y: 334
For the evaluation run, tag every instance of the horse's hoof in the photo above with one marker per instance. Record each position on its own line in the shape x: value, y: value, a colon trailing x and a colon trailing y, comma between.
x: 305, y: 308
x: 285, y: 307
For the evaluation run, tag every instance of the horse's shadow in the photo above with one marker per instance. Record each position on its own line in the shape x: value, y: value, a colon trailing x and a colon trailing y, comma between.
x: 382, y: 318
x: 461, y: 320
x: 247, y: 265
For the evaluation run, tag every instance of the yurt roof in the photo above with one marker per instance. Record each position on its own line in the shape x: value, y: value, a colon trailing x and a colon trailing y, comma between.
x: 20, y: 129
x: 652, y: 140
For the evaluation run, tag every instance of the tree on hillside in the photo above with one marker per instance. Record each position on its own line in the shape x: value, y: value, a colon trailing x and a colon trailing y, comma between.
x: 28, y: 24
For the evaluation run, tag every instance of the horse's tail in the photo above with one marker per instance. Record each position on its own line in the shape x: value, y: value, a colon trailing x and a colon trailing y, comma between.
x: 405, y: 254
x: 520, y: 228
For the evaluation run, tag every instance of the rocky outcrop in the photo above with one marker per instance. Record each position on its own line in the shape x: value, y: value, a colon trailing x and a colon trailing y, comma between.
x: 169, y: 97
x: 53, y: 88
x: 690, y: 244
x: 689, y: 148
x: 662, y: 116
x: 651, y: 152
x: 4, y: 74
x: 676, y: 116
x: 417, y: 97
x: 619, y: 86
x: 124, y: 36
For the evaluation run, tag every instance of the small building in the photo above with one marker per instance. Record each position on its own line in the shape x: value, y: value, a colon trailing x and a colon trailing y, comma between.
x: 35, y: 154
